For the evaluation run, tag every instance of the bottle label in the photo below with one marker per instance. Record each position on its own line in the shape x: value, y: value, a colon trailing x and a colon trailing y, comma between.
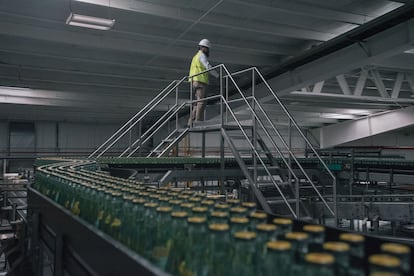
x: 108, y: 219
x: 100, y: 215
x: 116, y: 222
x: 76, y: 209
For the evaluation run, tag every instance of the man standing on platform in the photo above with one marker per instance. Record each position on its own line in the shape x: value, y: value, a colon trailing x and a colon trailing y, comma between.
x: 199, y: 64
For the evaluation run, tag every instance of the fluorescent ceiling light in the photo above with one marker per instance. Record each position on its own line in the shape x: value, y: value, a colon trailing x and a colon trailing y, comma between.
x: 91, y: 22
x: 411, y: 51
x: 337, y: 116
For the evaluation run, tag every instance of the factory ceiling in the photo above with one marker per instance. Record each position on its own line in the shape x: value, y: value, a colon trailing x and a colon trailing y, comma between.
x: 53, y: 71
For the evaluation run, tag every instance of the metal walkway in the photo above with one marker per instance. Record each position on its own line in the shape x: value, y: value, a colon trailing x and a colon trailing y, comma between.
x: 245, y: 130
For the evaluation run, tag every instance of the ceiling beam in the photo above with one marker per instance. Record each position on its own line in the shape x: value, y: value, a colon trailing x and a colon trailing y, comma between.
x: 400, y: 62
x: 188, y: 15
x: 166, y: 35
x: 96, y: 40
x: 305, y: 10
x: 23, y: 96
x: 333, y: 135
x: 352, y: 97
x: 379, y: 46
x: 83, y: 61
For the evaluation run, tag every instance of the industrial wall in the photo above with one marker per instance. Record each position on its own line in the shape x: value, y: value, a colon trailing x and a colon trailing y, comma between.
x: 46, y: 138
x: 398, y: 143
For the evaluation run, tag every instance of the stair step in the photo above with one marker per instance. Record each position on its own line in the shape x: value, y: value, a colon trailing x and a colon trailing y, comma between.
x: 236, y: 127
x: 281, y: 201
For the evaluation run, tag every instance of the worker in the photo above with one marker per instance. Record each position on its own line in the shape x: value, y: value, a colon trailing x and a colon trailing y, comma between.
x: 199, y: 64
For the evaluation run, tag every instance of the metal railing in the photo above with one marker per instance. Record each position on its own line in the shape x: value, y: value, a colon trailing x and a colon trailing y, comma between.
x: 255, y: 107
x: 260, y: 122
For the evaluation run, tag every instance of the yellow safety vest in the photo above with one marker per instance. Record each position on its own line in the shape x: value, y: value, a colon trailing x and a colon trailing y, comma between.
x: 197, y: 67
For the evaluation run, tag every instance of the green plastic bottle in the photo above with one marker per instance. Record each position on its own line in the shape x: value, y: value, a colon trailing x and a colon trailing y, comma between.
x: 340, y: 251
x: 177, y: 241
x: 284, y: 226
x: 384, y: 263
x: 319, y: 264
x: 299, y: 241
x: 238, y: 224
x: 278, y: 258
x: 257, y: 218
x: 196, y: 248
x: 219, y: 257
x: 401, y: 251
x: 316, y: 236
x: 244, y: 253
x: 161, y: 248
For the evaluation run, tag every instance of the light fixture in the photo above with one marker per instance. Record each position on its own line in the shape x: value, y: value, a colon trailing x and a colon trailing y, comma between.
x: 91, y: 22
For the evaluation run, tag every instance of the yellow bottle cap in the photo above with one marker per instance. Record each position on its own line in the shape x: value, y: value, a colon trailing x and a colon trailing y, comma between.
x: 279, y: 245
x: 350, y: 237
x: 222, y: 206
x: 395, y: 248
x: 384, y: 260
x: 219, y: 214
x: 319, y: 258
x: 336, y: 246
x: 238, y: 210
x: 239, y: 220
x: 199, y: 209
x: 151, y: 204
x: 258, y: 215
x: 249, y: 204
x: 233, y: 201
x: 194, y: 199
x: 282, y: 221
x: 116, y: 193
x: 245, y: 235
x: 164, y: 209
x: 219, y: 227
x: 207, y: 202
x: 382, y: 273
x: 197, y: 220
x: 128, y: 197
x: 266, y: 227
x: 187, y: 192
x: 179, y: 214
x: 187, y: 205
x: 139, y: 200
x: 299, y: 236
x: 314, y: 228
x: 175, y: 202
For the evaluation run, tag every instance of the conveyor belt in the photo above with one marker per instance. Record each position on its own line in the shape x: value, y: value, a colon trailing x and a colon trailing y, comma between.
x: 333, y: 163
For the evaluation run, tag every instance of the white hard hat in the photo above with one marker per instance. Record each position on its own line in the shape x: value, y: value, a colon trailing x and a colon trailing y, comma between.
x: 204, y: 42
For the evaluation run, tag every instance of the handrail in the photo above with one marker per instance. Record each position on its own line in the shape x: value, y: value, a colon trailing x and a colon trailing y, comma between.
x: 258, y: 156
x: 274, y: 128
x: 161, y: 119
x: 139, y: 116
x: 159, y: 145
x: 129, y: 121
x: 159, y: 127
x: 297, y: 161
x: 303, y: 136
x: 293, y: 121
x: 259, y: 120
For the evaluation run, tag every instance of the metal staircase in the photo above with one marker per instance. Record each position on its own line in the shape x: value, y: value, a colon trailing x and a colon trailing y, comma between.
x: 274, y: 172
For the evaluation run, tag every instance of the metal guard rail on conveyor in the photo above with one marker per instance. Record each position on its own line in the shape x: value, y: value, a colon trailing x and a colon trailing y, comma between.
x: 77, y: 246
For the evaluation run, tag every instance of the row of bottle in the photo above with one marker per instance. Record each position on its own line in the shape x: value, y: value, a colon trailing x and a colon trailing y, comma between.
x: 187, y: 233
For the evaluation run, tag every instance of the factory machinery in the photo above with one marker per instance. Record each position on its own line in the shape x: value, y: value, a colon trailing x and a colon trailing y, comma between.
x: 255, y: 167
